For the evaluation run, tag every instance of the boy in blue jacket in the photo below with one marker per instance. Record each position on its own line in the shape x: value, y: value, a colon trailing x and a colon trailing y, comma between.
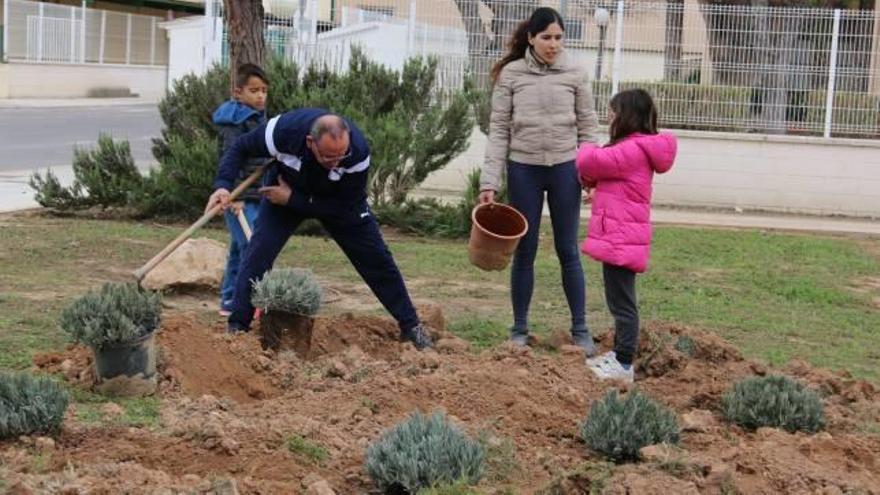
x: 321, y: 171
x: 240, y: 115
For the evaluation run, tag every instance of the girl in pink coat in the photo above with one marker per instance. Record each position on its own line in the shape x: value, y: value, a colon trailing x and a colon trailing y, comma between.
x: 619, y: 178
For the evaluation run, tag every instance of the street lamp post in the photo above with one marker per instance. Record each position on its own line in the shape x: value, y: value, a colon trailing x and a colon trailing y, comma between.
x: 602, y: 17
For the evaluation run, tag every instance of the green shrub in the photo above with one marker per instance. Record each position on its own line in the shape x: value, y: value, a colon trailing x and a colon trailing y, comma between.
x: 30, y: 404
x: 617, y: 428
x: 180, y: 186
x: 412, y: 128
x: 118, y: 313
x: 105, y: 176
x: 51, y: 194
x: 187, y: 110
x: 424, y: 452
x: 774, y: 401
x: 431, y: 217
x: 288, y: 289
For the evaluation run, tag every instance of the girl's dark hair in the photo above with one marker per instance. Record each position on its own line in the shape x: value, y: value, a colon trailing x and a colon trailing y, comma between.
x: 634, y: 111
x: 519, y: 41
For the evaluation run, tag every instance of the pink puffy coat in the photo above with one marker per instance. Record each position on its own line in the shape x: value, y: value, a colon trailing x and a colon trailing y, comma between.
x: 620, y: 225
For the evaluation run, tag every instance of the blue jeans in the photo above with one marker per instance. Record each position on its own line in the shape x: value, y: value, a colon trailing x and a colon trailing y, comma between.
x: 237, y: 244
x: 527, y: 185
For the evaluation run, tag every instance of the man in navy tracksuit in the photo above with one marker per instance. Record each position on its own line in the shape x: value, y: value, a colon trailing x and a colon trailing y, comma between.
x: 320, y: 172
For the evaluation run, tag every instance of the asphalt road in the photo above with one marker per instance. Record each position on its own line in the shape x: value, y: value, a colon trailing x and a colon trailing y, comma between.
x: 34, y: 138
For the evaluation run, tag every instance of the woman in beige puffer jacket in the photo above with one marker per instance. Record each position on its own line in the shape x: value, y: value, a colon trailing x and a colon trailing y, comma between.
x: 542, y: 109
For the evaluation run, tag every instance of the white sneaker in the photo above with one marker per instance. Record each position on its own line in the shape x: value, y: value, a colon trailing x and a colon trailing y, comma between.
x: 601, y: 358
x: 611, y: 369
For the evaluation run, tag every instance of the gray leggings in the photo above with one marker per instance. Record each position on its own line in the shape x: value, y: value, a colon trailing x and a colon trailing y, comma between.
x: 620, y: 294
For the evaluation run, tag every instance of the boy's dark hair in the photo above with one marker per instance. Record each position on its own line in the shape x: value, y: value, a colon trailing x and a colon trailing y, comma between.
x: 246, y: 71
x: 634, y: 111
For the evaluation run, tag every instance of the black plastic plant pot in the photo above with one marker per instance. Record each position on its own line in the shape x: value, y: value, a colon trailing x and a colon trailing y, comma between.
x: 281, y: 331
x: 129, y: 368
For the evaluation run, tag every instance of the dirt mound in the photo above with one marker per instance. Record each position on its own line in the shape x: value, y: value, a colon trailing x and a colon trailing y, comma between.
x: 205, y: 360
x: 526, y: 405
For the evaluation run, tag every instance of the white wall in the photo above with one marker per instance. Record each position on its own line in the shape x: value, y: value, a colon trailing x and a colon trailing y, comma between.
x: 771, y: 173
x: 776, y: 173
x: 383, y: 43
x: 4, y: 81
x: 185, y: 44
x: 22, y: 80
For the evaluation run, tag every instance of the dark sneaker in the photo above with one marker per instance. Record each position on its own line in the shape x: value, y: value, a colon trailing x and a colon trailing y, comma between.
x: 418, y: 335
x: 519, y: 336
x: 584, y: 340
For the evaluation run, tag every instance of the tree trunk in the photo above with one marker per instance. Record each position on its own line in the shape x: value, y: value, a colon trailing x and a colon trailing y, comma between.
x: 672, y: 47
x: 244, y: 21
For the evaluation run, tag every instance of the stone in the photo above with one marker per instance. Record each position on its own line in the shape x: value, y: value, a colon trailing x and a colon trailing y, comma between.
x: 229, y: 446
x: 68, y: 369
x: 766, y: 432
x: 44, y: 444
x: 698, y: 420
x: 337, y: 369
x: 225, y: 487
x: 197, y: 263
x: 264, y: 362
x: 571, y: 350
x: 431, y: 314
x: 112, y: 410
x: 452, y: 345
x: 320, y: 488
x: 719, y: 474
x: 758, y: 368
x: 658, y: 453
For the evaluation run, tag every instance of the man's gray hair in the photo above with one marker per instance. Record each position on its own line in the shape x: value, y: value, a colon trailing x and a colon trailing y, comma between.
x: 336, y: 126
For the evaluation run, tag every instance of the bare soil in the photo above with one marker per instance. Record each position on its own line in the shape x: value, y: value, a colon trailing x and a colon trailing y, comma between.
x: 229, y: 408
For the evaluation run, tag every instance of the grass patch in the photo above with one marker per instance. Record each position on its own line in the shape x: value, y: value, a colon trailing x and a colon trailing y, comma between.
x: 481, y: 333
x: 588, y: 478
x: 305, y: 448
x: 501, y: 464
x: 457, y: 488
x: 137, y: 412
x: 40, y: 462
x: 774, y: 295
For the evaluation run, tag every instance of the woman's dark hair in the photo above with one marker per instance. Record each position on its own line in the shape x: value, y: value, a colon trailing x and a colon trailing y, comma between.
x: 519, y: 41
x: 634, y: 111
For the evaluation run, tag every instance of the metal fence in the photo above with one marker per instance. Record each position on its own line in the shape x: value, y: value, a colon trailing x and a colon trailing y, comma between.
x: 710, y: 67
x: 48, y: 33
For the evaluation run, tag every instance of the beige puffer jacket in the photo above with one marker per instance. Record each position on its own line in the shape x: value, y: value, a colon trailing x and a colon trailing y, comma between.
x: 540, y: 114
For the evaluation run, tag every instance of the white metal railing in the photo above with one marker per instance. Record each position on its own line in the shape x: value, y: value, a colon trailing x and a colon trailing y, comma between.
x: 48, y: 33
x: 730, y: 68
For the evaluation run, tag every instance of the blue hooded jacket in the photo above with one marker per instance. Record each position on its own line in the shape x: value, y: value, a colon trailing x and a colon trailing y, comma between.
x: 233, y: 119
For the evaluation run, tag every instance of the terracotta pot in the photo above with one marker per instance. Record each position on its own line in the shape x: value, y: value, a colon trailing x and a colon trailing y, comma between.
x: 283, y: 331
x: 495, y: 232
